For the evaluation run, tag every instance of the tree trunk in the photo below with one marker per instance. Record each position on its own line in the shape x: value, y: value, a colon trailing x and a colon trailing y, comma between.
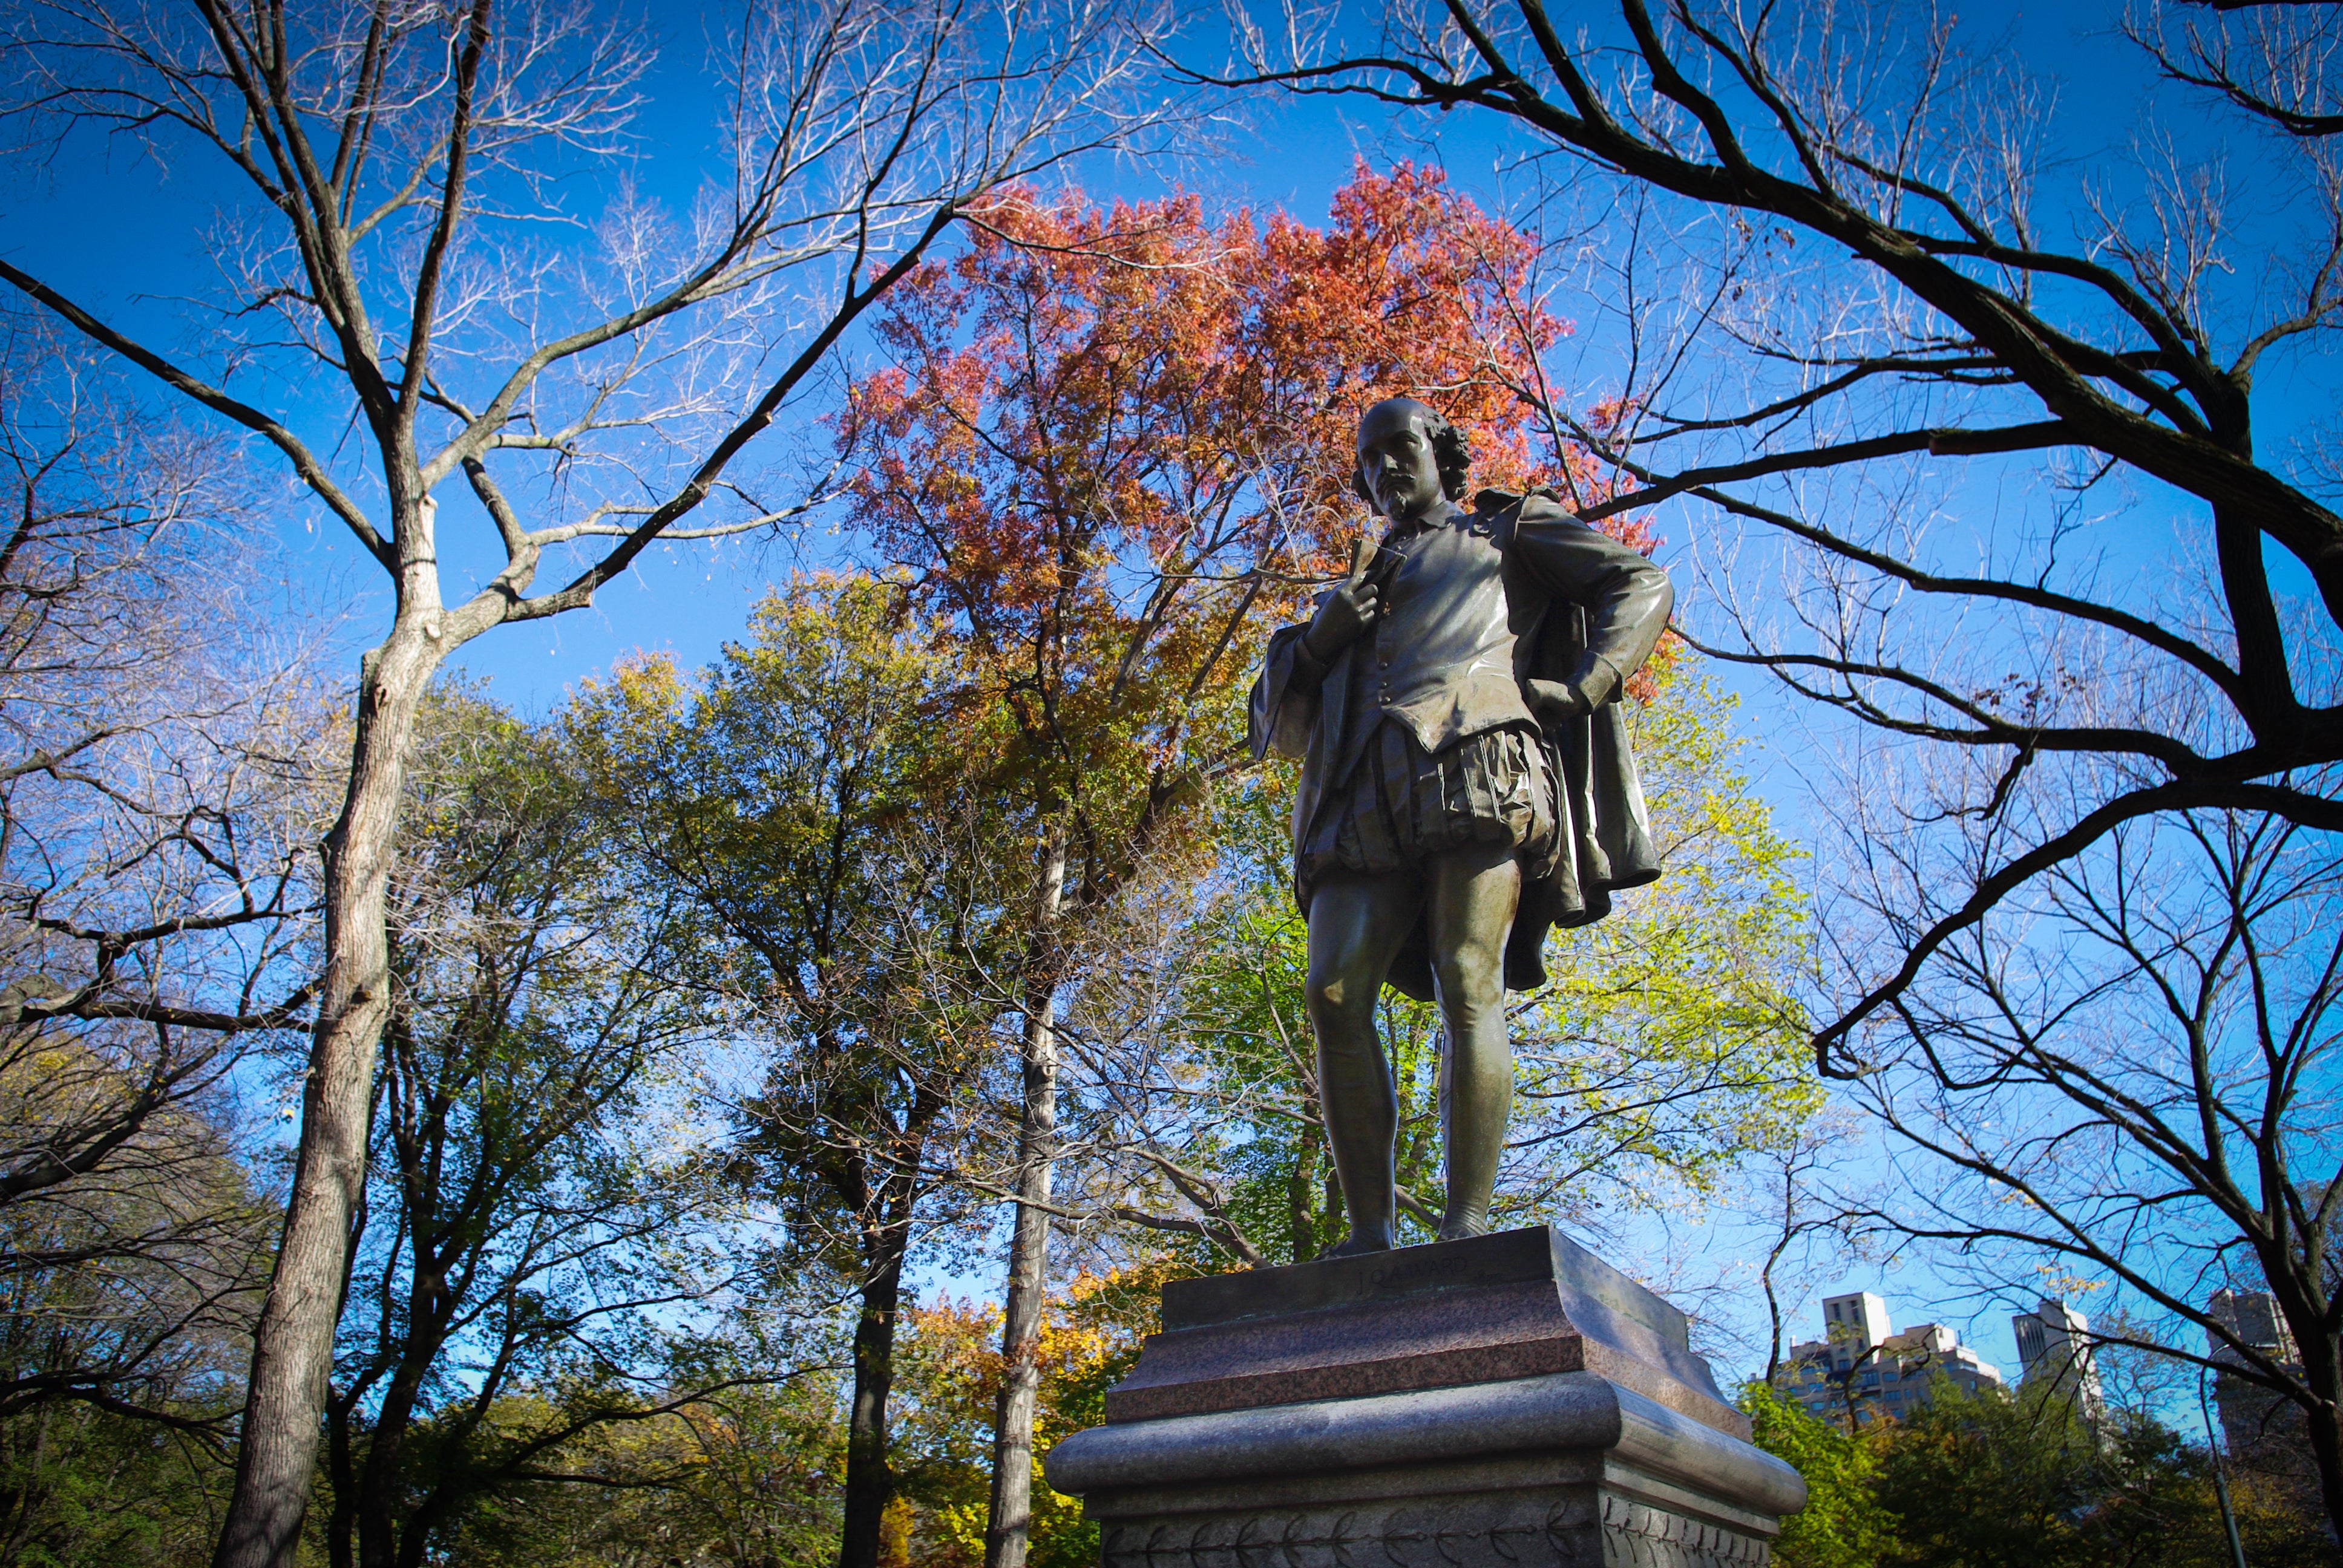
x: 2325, y: 1433
x: 293, y: 1345
x: 869, y: 1482
x: 1300, y: 1188
x: 379, y: 1478
x: 341, y: 1473
x: 1011, y: 1516
x: 2302, y: 1285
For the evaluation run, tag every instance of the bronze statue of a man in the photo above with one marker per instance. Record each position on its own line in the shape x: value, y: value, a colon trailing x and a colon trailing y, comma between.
x: 1465, y: 785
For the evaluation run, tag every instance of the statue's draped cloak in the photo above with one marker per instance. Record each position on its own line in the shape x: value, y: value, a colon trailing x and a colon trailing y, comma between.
x: 1584, y: 610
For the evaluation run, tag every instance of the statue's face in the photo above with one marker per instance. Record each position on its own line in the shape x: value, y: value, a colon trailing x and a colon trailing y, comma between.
x: 1396, y: 462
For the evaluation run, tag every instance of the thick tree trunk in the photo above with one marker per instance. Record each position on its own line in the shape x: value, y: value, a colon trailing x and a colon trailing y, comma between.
x: 1011, y: 1520
x: 869, y: 1484
x: 2322, y: 1376
x: 293, y: 1345
x: 2301, y: 1283
x: 341, y: 1473
x: 2326, y: 1431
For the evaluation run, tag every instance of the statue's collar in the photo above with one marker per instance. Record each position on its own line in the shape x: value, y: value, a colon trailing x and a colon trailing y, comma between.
x: 1447, y: 516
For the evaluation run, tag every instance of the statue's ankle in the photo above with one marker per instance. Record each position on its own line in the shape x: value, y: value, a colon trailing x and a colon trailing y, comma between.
x: 1356, y: 1245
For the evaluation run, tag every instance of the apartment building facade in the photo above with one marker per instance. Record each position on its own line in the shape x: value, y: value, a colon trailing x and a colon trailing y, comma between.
x: 2054, y: 1348
x: 1864, y: 1366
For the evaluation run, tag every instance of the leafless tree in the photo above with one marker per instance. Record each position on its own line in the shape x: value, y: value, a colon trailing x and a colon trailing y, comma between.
x: 159, y: 782
x: 1851, y: 300
x: 1811, y: 1235
x: 2127, y: 1078
x: 399, y: 228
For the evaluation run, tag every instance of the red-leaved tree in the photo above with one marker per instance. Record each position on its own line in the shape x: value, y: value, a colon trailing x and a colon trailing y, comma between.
x: 1113, y: 447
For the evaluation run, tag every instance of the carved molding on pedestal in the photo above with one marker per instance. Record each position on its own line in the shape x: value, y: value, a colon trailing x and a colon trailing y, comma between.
x: 1637, y: 1535
x: 1419, y: 1534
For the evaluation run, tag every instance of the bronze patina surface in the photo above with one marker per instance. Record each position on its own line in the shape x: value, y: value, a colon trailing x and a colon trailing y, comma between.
x: 1466, y: 785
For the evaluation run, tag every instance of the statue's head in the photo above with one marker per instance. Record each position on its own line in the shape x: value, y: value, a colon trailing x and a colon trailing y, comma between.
x: 1410, y: 458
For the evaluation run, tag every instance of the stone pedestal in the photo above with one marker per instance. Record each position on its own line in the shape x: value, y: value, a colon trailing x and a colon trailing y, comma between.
x: 1509, y: 1402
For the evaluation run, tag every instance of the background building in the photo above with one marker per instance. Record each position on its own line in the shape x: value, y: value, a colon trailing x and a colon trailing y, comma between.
x: 2054, y: 1346
x: 2263, y: 1431
x: 1886, y: 1372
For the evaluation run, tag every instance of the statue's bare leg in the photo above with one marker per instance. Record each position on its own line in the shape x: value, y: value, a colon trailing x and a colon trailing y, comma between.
x: 1356, y: 925
x: 1472, y: 894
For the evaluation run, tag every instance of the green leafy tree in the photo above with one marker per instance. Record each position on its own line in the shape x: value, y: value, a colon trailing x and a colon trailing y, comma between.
x: 813, y: 797
x: 1668, y: 1047
x: 2008, y: 1480
x: 86, y: 1487
x: 1844, y: 1524
x: 1996, y: 1479
x: 539, y: 1220
x: 746, y: 1479
x: 1671, y: 1042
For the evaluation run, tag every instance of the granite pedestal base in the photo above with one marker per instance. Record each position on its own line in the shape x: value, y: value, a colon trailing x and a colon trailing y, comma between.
x: 1508, y: 1401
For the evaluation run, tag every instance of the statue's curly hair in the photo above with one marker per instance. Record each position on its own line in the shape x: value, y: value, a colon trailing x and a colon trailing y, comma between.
x: 1449, y: 450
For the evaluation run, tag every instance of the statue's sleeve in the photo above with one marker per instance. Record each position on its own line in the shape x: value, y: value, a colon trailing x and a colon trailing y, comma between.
x: 1627, y: 599
x: 1285, y: 696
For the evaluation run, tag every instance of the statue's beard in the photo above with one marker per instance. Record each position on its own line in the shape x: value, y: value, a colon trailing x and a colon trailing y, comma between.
x: 1402, y: 499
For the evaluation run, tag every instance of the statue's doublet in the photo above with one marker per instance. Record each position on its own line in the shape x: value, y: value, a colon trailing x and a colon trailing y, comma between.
x: 1439, y: 661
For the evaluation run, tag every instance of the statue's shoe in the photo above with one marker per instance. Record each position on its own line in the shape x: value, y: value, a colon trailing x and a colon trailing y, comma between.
x: 1462, y: 1230
x: 1353, y: 1248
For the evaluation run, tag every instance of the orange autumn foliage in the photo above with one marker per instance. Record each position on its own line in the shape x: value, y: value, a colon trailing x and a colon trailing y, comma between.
x: 949, y: 1372
x: 1113, y: 448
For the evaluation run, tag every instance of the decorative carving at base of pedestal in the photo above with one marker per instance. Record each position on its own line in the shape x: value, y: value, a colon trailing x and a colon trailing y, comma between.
x: 1502, y: 1403
x: 1638, y: 1535
x: 1578, y: 1529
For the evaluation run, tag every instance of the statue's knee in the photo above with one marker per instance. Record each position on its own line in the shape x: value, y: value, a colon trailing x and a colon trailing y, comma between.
x: 1470, y: 979
x: 1339, y: 999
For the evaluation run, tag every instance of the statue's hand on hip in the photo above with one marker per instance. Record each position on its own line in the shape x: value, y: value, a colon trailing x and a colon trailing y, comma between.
x: 1554, y: 702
